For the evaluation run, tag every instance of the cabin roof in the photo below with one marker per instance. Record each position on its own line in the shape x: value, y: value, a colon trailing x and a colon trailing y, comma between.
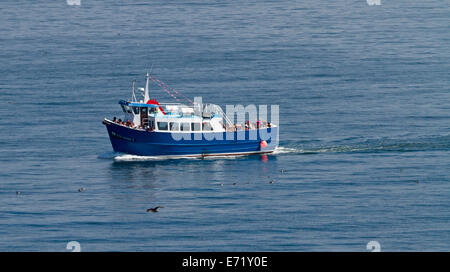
x: 137, y: 104
x: 171, y: 115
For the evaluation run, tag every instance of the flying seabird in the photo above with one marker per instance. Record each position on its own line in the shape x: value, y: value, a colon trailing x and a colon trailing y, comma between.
x: 155, y: 209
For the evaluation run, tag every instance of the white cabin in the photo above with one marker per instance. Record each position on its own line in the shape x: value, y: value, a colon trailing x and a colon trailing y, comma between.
x: 171, y: 117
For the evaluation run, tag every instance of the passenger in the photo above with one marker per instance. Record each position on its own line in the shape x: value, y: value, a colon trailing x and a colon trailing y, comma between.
x: 115, y: 119
x: 269, y: 125
x: 258, y: 124
x: 250, y: 125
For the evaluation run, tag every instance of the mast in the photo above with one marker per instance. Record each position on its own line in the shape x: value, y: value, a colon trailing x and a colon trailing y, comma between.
x: 146, y: 96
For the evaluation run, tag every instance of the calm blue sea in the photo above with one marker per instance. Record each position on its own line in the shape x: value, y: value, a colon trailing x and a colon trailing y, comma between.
x: 364, y: 125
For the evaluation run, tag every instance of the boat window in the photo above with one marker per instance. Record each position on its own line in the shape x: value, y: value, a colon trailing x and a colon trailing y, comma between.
x: 174, y: 126
x: 136, y: 110
x: 126, y: 109
x: 207, y: 126
x: 184, y: 127
x: 152, y: 110
x: 162, y: 126
x: 195, y: 126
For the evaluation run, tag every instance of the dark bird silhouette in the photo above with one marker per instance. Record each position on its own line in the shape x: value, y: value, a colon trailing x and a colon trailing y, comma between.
x: 82, y: 189
x: 155, y: 209
x: 18, y: 192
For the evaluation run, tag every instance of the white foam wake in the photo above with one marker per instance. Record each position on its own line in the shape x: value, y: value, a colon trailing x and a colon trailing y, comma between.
x: 285, y: 150
x: 128, y: 157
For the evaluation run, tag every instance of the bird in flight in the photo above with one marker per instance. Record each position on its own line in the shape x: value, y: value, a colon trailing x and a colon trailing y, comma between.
x: 155, y: 209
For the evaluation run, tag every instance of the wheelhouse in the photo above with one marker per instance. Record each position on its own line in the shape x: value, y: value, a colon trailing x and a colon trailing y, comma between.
x: 171, y: 117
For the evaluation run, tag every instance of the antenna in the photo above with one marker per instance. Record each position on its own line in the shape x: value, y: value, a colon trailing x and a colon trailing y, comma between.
x: 133, y: 95
x: 151, y: 69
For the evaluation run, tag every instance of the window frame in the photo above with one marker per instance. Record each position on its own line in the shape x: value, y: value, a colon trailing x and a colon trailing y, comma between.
x: 199, y: 126
x: 167, y: 125
x: 178, y: 126
x: 188, y: 126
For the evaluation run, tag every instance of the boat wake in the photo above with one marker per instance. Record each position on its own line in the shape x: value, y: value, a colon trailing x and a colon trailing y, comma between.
x: 286, y: 150
x: 441, y: 143
x: 108, y: 155
x: 135, y: 158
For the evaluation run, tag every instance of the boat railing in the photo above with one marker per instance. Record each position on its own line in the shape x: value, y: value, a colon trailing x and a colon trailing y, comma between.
x: 213, y: 109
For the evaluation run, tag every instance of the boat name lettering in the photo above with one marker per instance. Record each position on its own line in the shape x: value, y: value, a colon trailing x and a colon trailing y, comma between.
x: 122, y: 137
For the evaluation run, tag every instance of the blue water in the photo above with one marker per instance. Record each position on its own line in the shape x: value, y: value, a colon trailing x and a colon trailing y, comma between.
x: 364, y: 125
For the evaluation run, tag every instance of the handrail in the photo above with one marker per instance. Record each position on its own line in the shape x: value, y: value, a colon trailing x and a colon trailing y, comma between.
x: 224, y: 115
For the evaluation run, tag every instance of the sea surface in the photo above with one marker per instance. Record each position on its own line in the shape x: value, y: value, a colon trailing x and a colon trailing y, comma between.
x: 364, y: 101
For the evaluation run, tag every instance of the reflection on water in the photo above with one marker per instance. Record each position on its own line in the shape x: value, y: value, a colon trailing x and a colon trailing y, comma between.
x: 182, y: 171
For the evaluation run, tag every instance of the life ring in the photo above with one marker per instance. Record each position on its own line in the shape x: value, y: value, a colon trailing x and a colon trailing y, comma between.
x: 263, y: 144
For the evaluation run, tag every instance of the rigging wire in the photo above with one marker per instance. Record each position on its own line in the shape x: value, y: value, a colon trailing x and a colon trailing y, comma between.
x: 165, y: 87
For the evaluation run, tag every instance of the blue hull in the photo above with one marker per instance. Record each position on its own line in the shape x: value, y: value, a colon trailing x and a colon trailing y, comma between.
x: 143, y: 143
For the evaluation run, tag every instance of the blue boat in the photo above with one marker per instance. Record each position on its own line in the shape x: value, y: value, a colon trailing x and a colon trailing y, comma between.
x: 150, y: 128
